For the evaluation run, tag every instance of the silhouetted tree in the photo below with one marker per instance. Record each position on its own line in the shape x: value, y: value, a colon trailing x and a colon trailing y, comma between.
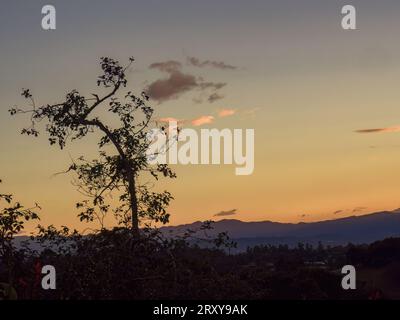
x: 113, y: 171
x: 13, y: 217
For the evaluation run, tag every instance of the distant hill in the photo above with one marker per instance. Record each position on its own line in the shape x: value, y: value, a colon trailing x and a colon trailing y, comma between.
x: 354, y: 229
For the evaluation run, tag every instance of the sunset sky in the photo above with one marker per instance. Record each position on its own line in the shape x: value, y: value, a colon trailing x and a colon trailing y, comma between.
x: 324, y: 102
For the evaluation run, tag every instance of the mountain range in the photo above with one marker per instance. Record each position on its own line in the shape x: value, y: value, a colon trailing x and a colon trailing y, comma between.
x: 355, y: 229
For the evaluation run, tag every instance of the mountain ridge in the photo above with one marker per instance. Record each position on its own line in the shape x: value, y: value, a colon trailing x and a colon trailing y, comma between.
x: 352, y: 229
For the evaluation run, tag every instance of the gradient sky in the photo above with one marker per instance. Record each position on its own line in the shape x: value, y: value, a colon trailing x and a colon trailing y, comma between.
x: 302, y: 82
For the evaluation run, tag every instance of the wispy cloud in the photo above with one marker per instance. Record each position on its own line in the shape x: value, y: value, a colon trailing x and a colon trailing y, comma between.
x: 226, y: 213
x: 202, y: 120
x: 209, y: 63
x: 166, y: 66
x: 214, y: 97
x: 226, y: 112
x: 381, y: 130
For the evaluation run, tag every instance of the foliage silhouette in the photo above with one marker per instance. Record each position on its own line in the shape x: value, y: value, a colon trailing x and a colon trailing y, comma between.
x: 117, y: 169
x: 13, y: 217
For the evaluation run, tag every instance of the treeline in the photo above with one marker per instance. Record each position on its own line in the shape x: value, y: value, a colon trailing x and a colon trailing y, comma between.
x: 115, y: 265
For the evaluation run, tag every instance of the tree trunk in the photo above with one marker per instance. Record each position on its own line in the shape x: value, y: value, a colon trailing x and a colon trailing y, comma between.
x: 133, y: 204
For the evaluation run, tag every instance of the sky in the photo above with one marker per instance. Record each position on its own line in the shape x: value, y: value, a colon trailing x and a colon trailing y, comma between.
x: 323, y: 101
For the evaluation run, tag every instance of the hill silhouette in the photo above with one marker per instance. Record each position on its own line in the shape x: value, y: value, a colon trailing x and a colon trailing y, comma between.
x: 354, y: 229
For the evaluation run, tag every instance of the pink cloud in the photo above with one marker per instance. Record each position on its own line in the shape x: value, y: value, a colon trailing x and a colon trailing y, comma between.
x: 226, y: 112
x: 202, y: 120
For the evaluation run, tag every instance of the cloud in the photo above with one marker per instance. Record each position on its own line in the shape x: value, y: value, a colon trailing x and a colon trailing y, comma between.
x: 214, y: 97
x: 208, y: 63
x: 172, y: 87
x: 211, y: 85
x: 338, y: 211
x: 226, y: 112
x: 177, y: 82
x: 375, y: 130
x: 226, y: 213
x: 167, y: 66
x: 199, y: 121
x: 202, y: 120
